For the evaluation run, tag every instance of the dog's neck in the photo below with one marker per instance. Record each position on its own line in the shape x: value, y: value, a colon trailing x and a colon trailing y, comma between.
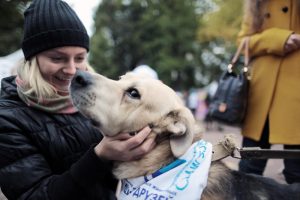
x: 159, y: 157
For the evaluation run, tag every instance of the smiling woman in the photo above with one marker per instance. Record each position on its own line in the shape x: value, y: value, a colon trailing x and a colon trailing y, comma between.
x: 51, y: 145
x: 59, y: 65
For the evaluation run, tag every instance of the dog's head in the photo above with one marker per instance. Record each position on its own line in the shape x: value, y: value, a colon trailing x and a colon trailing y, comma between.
x: 131, y: 103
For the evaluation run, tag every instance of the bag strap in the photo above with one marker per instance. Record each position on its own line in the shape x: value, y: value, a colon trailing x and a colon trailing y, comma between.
x: 243, y: 45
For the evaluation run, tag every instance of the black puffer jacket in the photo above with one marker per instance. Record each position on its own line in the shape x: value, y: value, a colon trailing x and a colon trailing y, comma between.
x: 49, y: 156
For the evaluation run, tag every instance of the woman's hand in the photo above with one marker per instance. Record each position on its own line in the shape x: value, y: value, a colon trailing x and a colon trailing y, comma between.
x: 124, y: 147
x: 292, y: 43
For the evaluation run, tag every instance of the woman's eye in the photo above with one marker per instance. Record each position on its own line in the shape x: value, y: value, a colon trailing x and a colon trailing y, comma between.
x: 56, y: 59
x: 80, y: 59
x: 133, y: 93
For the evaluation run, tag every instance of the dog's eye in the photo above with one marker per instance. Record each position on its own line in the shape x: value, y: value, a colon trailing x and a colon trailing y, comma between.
x: 134, y: 93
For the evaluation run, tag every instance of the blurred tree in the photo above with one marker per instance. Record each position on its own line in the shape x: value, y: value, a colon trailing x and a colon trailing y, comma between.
x: 223, y: 22
x: 160, y: 33
x: 11, y: 25
x: 217, y: 34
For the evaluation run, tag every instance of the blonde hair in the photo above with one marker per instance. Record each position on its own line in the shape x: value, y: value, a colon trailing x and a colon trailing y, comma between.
x: 254, y: 14
x: 33, y: 81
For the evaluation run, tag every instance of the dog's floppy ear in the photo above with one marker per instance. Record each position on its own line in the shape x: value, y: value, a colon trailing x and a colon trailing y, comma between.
x: 182, y: 129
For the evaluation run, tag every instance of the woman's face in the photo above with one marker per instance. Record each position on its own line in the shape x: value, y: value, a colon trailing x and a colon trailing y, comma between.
x: 59, y: 65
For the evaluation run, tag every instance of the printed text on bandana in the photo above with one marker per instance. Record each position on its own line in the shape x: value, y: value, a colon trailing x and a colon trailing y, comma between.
x: 186, y: 177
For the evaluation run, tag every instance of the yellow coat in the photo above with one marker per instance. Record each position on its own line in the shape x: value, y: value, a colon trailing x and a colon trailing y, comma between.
x: 275, y: 81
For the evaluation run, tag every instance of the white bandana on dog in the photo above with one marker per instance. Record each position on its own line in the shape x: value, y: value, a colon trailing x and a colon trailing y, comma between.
x: 185, y: 178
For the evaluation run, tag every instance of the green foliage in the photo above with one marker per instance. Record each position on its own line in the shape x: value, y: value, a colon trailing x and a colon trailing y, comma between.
x: 217, y: 34
x: 11, y: 25
x: 222, y: 23
x: 160, y: 33
x: 188, y: 42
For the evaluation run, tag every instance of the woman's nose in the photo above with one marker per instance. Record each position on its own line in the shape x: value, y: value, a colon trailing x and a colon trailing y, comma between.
x: 70, y: 67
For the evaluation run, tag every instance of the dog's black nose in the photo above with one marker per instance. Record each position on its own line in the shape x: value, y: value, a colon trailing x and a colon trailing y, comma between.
x: 81, y: 79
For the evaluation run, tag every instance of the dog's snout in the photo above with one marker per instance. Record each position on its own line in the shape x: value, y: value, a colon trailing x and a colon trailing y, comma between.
x: 81, y: 79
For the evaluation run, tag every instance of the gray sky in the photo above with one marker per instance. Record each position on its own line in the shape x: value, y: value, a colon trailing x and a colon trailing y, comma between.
x: 85, y: 10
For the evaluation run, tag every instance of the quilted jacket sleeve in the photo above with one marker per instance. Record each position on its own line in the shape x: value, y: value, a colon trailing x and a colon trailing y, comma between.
x: 25, y: 173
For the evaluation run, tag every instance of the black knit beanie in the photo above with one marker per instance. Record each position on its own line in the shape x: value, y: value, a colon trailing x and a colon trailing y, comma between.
x: 50, y: 24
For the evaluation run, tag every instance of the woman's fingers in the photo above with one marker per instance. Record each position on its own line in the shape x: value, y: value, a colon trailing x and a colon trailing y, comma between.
x: 144, y: 148
x: 124, y: 147
x: 141, y: 135
x: 292, y: 43
x: 139, y: 138
x: 121, y: 136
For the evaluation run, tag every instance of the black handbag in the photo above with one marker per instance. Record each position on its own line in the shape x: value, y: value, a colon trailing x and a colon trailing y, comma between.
x: 229, y: 103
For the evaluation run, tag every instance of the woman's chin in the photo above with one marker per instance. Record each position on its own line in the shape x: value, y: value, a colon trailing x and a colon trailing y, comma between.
x: 62, y: 90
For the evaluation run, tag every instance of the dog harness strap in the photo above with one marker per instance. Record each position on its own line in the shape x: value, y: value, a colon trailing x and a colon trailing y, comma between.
x: 224, y: 148
x: 219, y: 152
x: 183, y: 179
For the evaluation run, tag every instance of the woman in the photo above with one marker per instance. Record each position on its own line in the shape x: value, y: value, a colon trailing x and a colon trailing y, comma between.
x: 48, y: 150
x: 273, y: 114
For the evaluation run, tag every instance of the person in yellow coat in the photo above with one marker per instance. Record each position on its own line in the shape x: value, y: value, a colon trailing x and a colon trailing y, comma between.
x: 273, y: 115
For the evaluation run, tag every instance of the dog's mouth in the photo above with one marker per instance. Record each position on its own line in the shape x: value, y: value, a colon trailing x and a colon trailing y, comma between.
x: 83, y: 99
x: 133, y: 133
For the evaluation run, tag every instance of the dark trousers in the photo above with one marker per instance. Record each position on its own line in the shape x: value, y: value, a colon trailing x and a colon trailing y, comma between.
x: 291, y: 170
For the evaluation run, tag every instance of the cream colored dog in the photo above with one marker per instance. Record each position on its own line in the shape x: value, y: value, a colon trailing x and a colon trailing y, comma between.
x: 133, y: 102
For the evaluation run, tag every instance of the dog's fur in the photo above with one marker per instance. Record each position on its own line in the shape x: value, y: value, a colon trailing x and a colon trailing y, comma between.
x: 133, y: 102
